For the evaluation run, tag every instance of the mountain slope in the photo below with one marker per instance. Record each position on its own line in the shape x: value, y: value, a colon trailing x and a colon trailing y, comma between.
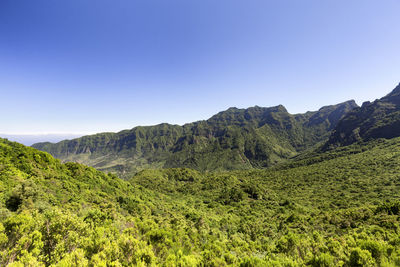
x: 338, y: 208
x: 233, y: 139
x: 379, y: 119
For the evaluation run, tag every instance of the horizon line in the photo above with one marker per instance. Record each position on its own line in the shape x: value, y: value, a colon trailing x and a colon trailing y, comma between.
x: 45, y: 133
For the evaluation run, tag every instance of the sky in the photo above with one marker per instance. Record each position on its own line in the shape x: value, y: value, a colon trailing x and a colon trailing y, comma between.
x: 86, y: 66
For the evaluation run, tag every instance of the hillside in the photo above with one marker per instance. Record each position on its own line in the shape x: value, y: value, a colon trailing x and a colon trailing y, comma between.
x: 307, y: 212
x: 379, y: 119
x: 232, y: 139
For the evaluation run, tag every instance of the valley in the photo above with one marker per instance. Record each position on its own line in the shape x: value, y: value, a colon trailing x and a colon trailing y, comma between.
x: 334, y: 204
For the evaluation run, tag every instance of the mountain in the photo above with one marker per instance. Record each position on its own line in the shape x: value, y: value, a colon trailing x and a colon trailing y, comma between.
x: 232, y: 139
x: 336, y: 208
x: 379, y: 119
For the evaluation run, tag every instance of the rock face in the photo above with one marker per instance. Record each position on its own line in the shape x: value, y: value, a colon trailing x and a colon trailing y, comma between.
x: 379, y: 119
x: 232, y: 139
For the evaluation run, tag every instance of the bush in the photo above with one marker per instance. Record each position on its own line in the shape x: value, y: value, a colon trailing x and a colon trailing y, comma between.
x: 361, y: 258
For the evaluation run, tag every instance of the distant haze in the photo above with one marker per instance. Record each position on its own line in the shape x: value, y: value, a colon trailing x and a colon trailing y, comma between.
x: 29, y: 139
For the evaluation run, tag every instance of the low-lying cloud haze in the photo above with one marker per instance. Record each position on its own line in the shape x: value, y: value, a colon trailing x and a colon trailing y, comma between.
x: 30, y: 139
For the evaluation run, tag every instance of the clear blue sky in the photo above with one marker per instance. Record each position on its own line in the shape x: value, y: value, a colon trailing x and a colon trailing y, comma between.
x: 85, y: 66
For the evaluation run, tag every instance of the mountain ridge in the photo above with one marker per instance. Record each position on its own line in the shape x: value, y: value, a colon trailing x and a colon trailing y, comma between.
x: 231, y: 139
x: 373, y: 120
x: 56, y: 214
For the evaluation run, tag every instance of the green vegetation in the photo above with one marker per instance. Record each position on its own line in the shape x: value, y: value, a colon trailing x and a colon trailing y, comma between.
x: 379, y: 119
x: 337, y: 208
x: 235, y: 139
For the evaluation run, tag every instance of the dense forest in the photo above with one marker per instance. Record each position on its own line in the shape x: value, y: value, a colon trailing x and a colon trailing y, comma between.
x: 307, y: 211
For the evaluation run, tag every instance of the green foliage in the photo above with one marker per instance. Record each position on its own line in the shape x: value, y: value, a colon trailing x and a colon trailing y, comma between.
x: 338, y: 208
x: 360, y: 257
x: 379, y: 119
x: 234, y: 139
x: 323, y: 260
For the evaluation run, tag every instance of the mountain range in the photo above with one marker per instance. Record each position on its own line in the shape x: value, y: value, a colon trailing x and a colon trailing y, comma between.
x: 256, y: 137
x: 234, y: 139
x: 335, y: 202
